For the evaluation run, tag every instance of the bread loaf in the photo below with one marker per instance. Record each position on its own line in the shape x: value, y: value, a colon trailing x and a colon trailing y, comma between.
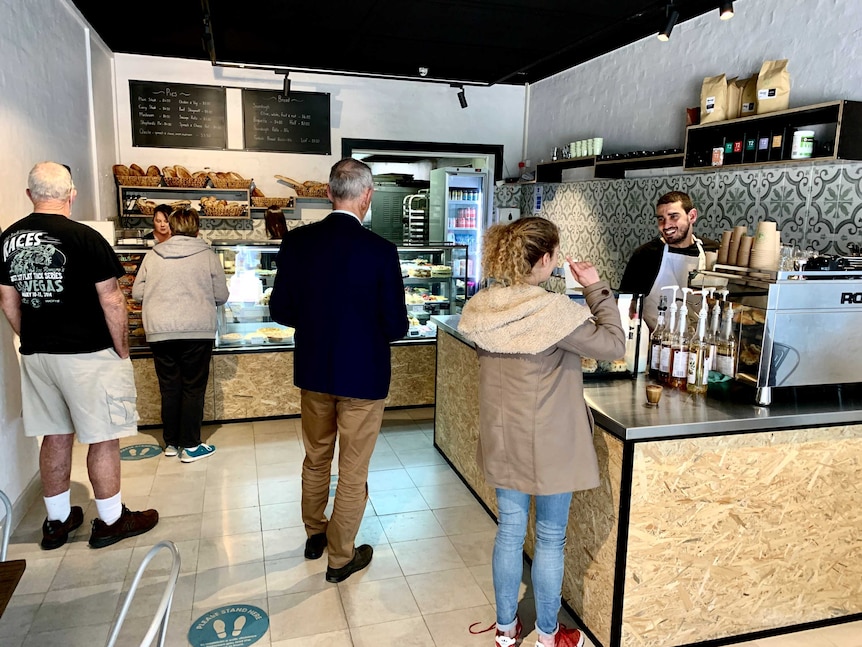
x: 121, y: 170
x: 169, y: 171
x: 136, y: 170
x: 153, y: 170
x: 182, y: 172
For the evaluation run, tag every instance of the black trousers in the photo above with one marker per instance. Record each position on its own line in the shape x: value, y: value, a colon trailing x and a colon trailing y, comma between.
x: 183, y: 368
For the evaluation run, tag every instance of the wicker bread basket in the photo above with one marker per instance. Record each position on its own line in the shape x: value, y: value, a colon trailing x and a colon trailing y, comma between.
x: 146, y: 207
x: 224, y: 211
x: 187, y: 182
x: 316, y: 191
x: 284, y: 203
x: 138, y: 180
x: 219, y: 183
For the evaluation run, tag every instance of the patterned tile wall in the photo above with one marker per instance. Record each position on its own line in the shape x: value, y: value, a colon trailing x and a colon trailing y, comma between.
x: 816, y: 206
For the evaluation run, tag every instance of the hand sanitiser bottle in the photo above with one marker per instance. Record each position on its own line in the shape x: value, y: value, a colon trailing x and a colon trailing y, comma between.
x: 699, y: 357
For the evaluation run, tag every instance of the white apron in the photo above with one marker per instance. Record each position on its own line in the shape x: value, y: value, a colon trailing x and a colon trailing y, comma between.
x: 674, y: 270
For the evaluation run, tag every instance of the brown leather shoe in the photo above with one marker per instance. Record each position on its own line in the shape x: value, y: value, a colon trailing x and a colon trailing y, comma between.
x: 314, y: 546
x: 130, y: 524
x: 56, y: 533
x: 361, y: 559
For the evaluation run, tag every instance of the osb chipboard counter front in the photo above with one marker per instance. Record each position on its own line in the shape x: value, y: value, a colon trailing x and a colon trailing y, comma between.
x: 246, y: 385
x: 730, y: 532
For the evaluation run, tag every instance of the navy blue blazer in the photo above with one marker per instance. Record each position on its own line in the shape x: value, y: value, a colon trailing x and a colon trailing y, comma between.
x: 339, y: 285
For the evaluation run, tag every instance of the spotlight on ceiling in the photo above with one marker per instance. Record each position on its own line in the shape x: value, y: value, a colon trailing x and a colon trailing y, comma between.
x: 462, y: 98
x: 285, y: 91
x: 725, y: 10
x: 423, y: 71
x: 672, y: 17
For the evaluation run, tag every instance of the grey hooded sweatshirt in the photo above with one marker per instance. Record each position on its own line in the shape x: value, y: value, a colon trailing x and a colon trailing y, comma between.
x: 180, y: 283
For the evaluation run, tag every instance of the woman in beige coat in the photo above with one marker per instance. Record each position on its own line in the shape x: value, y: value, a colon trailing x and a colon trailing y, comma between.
x: 536, y: 432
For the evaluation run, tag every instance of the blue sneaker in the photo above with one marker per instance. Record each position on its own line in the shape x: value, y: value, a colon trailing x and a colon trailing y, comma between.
x: 171, y: 450
x: 192, y: 454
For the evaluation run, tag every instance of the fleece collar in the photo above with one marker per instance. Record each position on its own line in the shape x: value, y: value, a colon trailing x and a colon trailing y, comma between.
x: 521, y: 319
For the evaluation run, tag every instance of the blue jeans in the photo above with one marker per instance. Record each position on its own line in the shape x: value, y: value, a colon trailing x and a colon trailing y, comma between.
x: 552, y: 517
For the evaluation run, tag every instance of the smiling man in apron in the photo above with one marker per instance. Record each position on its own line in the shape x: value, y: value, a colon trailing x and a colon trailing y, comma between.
x: 668, y: 259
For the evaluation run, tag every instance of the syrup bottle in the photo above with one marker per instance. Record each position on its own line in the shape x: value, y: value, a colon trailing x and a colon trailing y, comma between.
x: 726, y: 346
x: 655, y: 339
x: 667, y: 337
x: 698, y: 353
x: 679, y: 346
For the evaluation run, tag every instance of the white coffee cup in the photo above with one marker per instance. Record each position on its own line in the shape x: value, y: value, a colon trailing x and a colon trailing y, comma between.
x: 597, y: 145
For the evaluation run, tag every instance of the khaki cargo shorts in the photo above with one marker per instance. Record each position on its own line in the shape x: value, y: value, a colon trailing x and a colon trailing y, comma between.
x: 91, y: 395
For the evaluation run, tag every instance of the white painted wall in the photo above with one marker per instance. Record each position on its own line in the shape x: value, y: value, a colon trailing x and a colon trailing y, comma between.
x: 636, y: 97
x: 44, y: 114
x: 360, y: 109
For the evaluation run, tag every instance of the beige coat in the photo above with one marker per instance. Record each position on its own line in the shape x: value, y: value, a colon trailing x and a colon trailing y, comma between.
x: 535, y: 430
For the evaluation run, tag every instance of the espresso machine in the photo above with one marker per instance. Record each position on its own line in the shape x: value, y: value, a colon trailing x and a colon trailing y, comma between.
x: 796, y: 328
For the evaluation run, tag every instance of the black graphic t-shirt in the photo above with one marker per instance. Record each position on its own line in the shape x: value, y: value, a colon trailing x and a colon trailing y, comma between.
x: 55, y: 263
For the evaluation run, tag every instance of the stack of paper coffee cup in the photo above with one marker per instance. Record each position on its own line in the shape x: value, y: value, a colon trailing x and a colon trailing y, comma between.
x: 766, y: 248
x: 735, y: 240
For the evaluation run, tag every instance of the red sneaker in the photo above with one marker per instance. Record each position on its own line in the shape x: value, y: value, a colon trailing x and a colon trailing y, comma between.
x: 566, y: 637
x: 501, y: 640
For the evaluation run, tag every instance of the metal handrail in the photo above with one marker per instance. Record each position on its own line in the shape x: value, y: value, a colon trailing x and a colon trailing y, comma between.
x: 7, y: 525
x: 160, y: 620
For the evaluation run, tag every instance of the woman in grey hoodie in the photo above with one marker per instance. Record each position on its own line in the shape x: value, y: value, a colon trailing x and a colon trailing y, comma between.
x: 180, y: 283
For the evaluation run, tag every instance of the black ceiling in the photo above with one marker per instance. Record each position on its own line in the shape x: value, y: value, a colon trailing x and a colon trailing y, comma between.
x: 469, y: 41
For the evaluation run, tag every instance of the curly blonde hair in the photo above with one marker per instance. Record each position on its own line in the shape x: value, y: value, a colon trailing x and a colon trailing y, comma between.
x: 511, y: 250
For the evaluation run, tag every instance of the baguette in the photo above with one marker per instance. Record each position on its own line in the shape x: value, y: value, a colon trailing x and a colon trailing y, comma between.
x: 182, y: 172
x: 235, y: 176
x: 169, y: 171
x: 136, y: 170
x: 257, y: 193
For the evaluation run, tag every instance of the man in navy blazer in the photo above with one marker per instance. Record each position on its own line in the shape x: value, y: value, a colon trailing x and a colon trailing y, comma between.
x: 339, y: 285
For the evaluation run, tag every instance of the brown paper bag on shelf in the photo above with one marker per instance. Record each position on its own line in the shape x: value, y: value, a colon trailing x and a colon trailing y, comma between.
x: 747, y: 96
x: 734, y: 92
x: 773, y: 87
x: 713, y: 99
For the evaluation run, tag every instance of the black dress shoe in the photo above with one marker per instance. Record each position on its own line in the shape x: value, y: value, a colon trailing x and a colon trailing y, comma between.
x: 361, y: 559
x: 314, y: 546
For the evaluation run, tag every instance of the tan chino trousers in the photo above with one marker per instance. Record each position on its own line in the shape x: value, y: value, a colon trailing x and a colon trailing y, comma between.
x: 356, y: 425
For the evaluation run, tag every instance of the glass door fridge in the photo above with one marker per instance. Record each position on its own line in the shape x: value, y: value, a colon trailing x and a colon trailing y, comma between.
x: 458, y: 209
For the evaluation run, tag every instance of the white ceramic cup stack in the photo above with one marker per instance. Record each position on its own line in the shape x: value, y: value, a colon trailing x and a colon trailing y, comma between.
x: 766, y: 247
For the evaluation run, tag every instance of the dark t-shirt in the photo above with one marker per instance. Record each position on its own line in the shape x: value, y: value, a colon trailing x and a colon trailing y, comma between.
x: 55, y: 263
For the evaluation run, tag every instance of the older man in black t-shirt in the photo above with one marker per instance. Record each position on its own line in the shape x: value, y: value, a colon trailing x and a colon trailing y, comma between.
x: 59, y: 290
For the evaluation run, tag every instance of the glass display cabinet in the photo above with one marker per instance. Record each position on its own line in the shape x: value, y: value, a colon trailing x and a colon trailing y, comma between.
x: 435, y: 279
x: 435, y: 282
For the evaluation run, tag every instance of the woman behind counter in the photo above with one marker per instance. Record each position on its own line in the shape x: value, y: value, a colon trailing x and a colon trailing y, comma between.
x: 535, y: 431
x: 161, y: 228
x: 180, y: 283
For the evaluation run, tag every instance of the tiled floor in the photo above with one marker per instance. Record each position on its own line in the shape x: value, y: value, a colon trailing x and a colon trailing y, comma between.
x: 235, y: 518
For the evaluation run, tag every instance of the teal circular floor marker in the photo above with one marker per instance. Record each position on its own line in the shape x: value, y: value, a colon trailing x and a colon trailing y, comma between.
x: 139, y: 452
x: 234, y: 625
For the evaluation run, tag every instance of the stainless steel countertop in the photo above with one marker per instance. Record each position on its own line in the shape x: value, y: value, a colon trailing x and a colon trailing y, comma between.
x: 620, y: 406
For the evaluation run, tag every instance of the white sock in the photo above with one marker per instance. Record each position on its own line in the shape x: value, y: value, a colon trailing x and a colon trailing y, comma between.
x: 110, y: 509
x: 59, y: 506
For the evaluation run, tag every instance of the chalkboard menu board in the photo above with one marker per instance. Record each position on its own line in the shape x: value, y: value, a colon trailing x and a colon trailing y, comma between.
x: 298, y: 124
x: 167, y: 115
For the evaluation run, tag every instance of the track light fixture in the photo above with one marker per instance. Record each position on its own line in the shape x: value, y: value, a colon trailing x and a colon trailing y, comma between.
x: 725, y: 10
x: 462, y: 98
x: 672, y: 17
x: 286, y: 89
